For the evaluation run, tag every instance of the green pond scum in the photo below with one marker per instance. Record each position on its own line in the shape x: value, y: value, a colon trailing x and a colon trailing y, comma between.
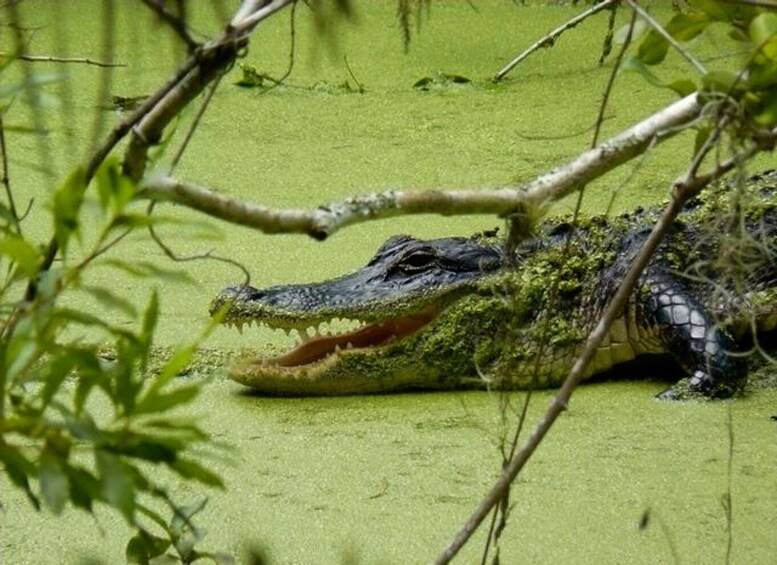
x: 390, y: 478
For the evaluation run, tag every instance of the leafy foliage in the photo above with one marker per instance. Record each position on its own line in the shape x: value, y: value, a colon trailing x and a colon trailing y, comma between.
x: 753, y: 85
x: 54, y: 445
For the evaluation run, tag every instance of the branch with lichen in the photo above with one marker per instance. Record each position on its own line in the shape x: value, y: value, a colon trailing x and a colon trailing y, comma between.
x: 535, y: 195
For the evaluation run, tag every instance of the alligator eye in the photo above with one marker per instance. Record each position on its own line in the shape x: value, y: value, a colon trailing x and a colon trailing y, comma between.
x: 416, y: 261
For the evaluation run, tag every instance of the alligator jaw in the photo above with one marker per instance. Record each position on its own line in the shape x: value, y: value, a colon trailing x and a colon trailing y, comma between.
x: 318, y: 348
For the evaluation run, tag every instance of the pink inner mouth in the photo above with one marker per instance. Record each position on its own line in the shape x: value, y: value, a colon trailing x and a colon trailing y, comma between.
x: 372, y: 335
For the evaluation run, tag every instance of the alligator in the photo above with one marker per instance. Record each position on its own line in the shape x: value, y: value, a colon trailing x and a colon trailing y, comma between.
x: 460, y: 312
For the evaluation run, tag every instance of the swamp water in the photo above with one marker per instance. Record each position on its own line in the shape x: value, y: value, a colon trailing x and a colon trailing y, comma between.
x: 389, y: 479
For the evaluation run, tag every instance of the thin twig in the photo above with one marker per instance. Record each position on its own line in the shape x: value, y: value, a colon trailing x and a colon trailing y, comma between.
x: 550, y: 38
x: 728, y: 499
x: 6, y: 180
x: 172, y: 255
x: 195, y: 123
x: 52, y: 59
x: 611, y: 80
x: 177, y: 24
x: 292, y: 51
x: 109, y: 27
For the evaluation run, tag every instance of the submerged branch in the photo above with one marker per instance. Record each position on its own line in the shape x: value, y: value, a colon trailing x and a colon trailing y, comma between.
x: 537, y: 194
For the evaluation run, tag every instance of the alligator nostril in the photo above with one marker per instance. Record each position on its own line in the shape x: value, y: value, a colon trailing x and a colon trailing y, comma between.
x: 242, y: 292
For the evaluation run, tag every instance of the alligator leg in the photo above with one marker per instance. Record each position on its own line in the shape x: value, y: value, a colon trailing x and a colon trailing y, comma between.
x: 691, y: 335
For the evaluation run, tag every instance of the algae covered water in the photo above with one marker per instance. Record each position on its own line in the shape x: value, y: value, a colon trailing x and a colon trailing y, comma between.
x: 389, y: 479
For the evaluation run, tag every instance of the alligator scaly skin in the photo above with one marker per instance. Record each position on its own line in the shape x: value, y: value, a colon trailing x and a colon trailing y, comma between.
x: 450, y: 313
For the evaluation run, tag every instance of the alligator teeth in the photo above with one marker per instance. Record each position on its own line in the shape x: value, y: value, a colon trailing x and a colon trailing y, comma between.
x: 287, y: 331
x: 349, y: 345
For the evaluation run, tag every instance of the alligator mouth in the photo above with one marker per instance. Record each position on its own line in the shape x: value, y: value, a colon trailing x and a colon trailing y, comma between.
x: 315, y: 349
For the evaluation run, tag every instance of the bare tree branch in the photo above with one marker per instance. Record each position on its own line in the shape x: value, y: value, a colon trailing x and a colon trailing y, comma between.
x: 537, y: 194
x: 551, y: 38
x: 253, y: 12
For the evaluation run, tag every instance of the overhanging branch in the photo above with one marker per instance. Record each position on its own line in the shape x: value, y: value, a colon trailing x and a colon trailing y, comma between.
x: 536, y: 194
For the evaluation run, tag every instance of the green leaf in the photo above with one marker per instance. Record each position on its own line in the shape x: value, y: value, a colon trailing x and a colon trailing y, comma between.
x: 19, y: 469
x: 683, y: 87
x: 766, y: 113
x: 116, y: 482
x: 22, y: 252
x: 182, y: 517
x: 653, y: 49
x: 763, y: 32
x: 143, y: 546
x: 126, y: 220
x: 155, y: 401
x: 81, y: 426
x: 174, y: 366
x: 763, y: 27
x: 635, y: 64
x: 148, y: 450
x: 727, y: 12
x: 67, y: 204
x: 111, y: 300
x: 192, y: 470
x: 84, y: 387
x: 725, y: 82
x: 84, y: 488
x: 57, y: 371
x: 682, y: 27
x: 54, y: 483
x: 114, y: 188
x: 146, y: 269
x: 127, y: 386
x: 150, y: 317
x: 22, y: 351
x: 71, y: 315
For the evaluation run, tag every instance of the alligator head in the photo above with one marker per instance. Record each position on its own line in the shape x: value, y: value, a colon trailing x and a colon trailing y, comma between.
x: 402, y: 289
